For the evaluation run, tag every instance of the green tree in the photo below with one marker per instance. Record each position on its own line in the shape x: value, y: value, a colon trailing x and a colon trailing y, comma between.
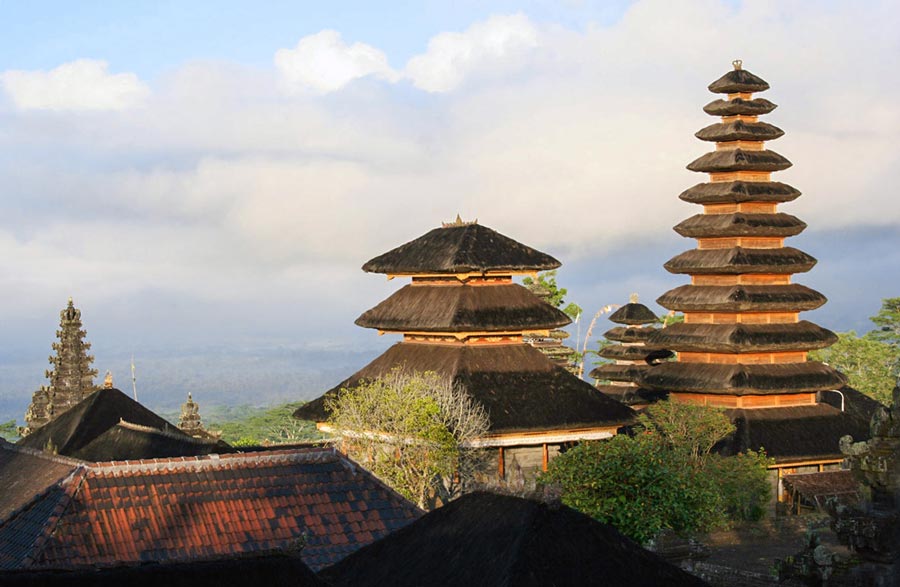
x: 870, y: 364
x: 9, y: 431
x: 411, y: 430
x: 664, y: 476
x: 556, y: 296
x: 888, y: 322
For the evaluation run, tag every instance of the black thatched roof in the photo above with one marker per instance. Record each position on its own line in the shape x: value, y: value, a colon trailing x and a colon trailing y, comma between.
x: 738, y: 81
x: 738, y: 338
x: 486, y: 539
x: 739, y: 379
x: 269, y: 569
x: 739, y: 106
x: 823, y: 485
x: 461, y: 248
x: 620, y: 352
x: 628, y: 333
x: 25, y: 472
x: 460, y: 308
x: 88, y: 430
x: 741, y: 298
x: 519, y: 387
x: 633, y: 314
x: 739, y: 160
x: 740, y: 224
x: 128, y: 442
x: 614, y: 372
x: 793, y: 433
x: 736, y: 192
x: 632, y: 395
x: 739, y: 130
x: 739, y: 260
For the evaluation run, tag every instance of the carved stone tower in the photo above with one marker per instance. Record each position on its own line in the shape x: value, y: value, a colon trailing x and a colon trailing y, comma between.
x: 71, y: 379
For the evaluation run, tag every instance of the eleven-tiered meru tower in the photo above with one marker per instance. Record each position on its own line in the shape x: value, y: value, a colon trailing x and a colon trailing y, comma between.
x: 464, y: 317
x: 742, y: 345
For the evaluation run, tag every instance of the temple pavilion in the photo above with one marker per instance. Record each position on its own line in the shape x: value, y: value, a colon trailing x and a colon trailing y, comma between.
x: 742, y: 345
x: 463, y: 316
x: 70, y: 380
x: 630, y: 356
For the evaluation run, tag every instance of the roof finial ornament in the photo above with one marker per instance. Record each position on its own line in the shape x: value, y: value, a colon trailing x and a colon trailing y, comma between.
x: 458, y: 222
x: 108, y: 380
x: 633, y: 298
x: 738, y: 64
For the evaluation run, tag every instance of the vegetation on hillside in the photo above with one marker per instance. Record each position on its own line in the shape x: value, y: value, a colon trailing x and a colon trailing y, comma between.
x: 664, y: 476
x: 9, y: 431
x: 247, y: 425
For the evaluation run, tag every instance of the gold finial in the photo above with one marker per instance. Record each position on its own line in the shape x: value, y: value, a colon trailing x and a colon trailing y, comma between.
x: 633, y: 298
x: 108, y: 381
x: 458, y: 222
x: 738, y: 64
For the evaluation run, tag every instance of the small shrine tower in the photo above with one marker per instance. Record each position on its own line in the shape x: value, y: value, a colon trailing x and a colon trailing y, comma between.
x: 742, y: 344
x: 462, y: 316
x: 630, y: 355
x: 71, y: 379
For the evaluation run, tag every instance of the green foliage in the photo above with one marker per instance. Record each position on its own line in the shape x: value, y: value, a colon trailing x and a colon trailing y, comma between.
x: 254, y: 426
x: 547, y: 280
x: 663, y: 477
x: 9, y: 431
x: 870, y: 364
x: 408, y: 429
x: 888, y: 322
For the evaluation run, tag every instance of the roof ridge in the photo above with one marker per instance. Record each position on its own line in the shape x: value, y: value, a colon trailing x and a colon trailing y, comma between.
x: 307, y: 455
x: 180, y: 435
x: 56, y: 458
x: 70, y: 486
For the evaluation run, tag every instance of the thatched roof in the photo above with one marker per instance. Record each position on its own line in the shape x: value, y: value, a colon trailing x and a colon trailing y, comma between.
x: 740, y: 224
x: 738, y: 80
x: 738, y: 106
x: 633, y: 314
x: 739, y: 260
x: 631, y: 395
x: 461, y: 248
x: 613, y: 372
x: 793, y: 433
x: 272, y: 569
x: 25, y: 473
x: 740, y: 379
x: 742, y: 338
x: 736, y: 192
x: 519, y: 387
x: 99, y: 413
x: 739, y: 160
x: 462, y: 308
x: 486, y: 539
x: 618, y: 352
x: 128, y: 442
x: 741, y: 298
x: 822, y: 485
x: 739, y: 130
x: 628, y: 333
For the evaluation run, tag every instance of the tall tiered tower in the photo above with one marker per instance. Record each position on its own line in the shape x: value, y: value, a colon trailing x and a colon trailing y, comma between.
x: 71, y: 379
x: 630, y: 355
x: 743, y: 345
x: 464, y: 317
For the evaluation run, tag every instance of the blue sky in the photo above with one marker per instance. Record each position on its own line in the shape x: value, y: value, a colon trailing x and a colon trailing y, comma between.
x: 216, y: 173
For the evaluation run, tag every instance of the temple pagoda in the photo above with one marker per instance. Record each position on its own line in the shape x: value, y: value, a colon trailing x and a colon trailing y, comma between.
x: 629, y: 354
x: 463, y: 316
x: 70, y: 380
x: 742, y: 345
x: 550, y: 343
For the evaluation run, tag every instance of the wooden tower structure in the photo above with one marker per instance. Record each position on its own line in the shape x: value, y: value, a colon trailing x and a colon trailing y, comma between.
x: 462, y: 316
x: 71, y: 379
x: 630, y: 356
x: 742, y: 344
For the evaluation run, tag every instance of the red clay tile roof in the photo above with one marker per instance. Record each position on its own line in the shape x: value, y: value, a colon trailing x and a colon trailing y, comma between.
x: 202, y: 507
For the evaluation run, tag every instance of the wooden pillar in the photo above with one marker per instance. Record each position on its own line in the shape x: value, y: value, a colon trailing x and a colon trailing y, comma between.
x: 501, y: 465
x: 546, y: 458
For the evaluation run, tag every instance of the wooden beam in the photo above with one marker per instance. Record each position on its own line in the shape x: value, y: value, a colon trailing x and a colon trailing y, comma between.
x: 501, y: 464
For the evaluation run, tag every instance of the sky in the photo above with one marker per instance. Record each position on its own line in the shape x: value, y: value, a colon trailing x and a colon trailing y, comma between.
x: 214, y: 174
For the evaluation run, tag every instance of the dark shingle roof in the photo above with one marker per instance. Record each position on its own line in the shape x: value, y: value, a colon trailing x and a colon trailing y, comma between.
x: 740, y: 224
x: 737, y: 338
x: 737, y: 260
x: 460, y: 308
x: 730, y: 379
x: 738, y: 80
x: 739, y: 130
x: 633, y: 314
x: 739, y: 106
x: 203, y: 507
x: 628, y: 333
x: 736, y: 192
x: 739, y: 160
x: 741, y: 298
x: 518, y: 386
x: 486, y: 539
x: 25, y: 473
x: 461, y: 249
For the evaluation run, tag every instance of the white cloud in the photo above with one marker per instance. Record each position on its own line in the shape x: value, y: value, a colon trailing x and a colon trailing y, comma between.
x: 323, y: 63
x: 451, y: 56
x: 84, y: 84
